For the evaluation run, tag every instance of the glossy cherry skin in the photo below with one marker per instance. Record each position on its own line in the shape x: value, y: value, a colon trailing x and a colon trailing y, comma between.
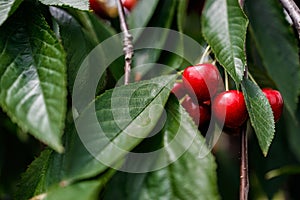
x: 199, y: 113
x: 129, y: 4
x: 179, y: 90
x: 201, y: 80
x: 102, y: 9
x: 276, y: 101
x: 229, y: 108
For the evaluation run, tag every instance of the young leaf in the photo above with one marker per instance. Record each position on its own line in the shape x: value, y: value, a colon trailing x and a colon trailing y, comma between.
x: 189, y: 177
x: 277, y: 46
x: 224, y: 27
x: 78, y: 4
x: 260, y: 113
x: 33, y: 77
x: 7, y: 8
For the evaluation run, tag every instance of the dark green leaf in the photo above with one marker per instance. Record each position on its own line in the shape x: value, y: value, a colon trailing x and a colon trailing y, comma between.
x: 77, y: 41
x: 260, y: 113
x: 7, y: 8
x: 291, y: 130
x: 162, y: 17
x: 85, y: 190
x: 33, y: 80
x: 38, y: 182
x: 189, y: 177
x: 79, y: 4
x: 224, y: 27
x: 77, y: 163
x: 277, y: 46
x: 32, y: 182
x: 142, y: 13
x: 126, y: 115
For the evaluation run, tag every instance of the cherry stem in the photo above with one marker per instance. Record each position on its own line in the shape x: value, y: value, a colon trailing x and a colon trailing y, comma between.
x: 244, y: 179
x: 293, y: 11
x: 205, y: 53
x: 252, y: 78
x: 127, y: 42
x: 226, y: 80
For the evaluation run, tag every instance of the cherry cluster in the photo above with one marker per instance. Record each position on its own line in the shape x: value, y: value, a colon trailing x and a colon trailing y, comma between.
x: 199, y: 93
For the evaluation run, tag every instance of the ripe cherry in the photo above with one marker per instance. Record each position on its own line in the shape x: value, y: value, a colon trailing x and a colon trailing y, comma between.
x: 201, y: 80
x: 276, y: 101
x: 179, y: 90
x: 199, y: 113
x: 129, y: 4
x: 96, y: 6
x: 103, y: 9
x: 229, y: 107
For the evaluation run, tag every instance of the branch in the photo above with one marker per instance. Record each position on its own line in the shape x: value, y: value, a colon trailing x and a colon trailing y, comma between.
x: 294, y: 13
x: 244, y: 179
x: 127, y: 42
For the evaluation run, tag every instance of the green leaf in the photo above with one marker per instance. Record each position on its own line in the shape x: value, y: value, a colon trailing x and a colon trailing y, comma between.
x: 32, y: 76
x: 173, y: 60
x: 260, y: 113
x: 224, y: 27
x: 78, y: 4
x: 142, y: 13
x: 78, y: 162
x: 77, y: 42
x: 84, y: 190
x: 277, y: 46
x: 32, y: 182
x: 67, y: 167
x: 162, y: 17
x: 125, y: 116
x: 7, y: 8
x: 189, y: 177
x: 87, y: 190
x: 38, y: 182
x: 291, y: 130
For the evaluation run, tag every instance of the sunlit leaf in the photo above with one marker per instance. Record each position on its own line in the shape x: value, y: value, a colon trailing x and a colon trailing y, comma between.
x: 33, y: 77
x: 260, y: 113
x: 224, y: 27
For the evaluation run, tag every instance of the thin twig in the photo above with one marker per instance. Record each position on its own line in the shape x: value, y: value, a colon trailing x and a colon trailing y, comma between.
x: 127, y: 42
x: 293, y: 11
x: 244, y: 179
x: 205, y: 53
x: 226, y: 80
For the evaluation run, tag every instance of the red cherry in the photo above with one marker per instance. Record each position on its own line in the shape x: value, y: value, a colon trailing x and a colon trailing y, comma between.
x: 275, y: 100
x: 102, y: 9
x: 199, y: 113
x: 179, y: 90
x: 201, y: 80
x: 96, y: 6
x: 229, y: 107
x: 129, y: 4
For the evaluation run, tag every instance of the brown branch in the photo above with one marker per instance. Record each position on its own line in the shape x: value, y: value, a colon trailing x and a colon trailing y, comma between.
x: 244, y: 179
x: 127, y: 42
x: 293, y: 11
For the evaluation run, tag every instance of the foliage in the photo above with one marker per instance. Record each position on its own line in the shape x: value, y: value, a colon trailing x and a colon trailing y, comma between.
x: 55, y: 116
